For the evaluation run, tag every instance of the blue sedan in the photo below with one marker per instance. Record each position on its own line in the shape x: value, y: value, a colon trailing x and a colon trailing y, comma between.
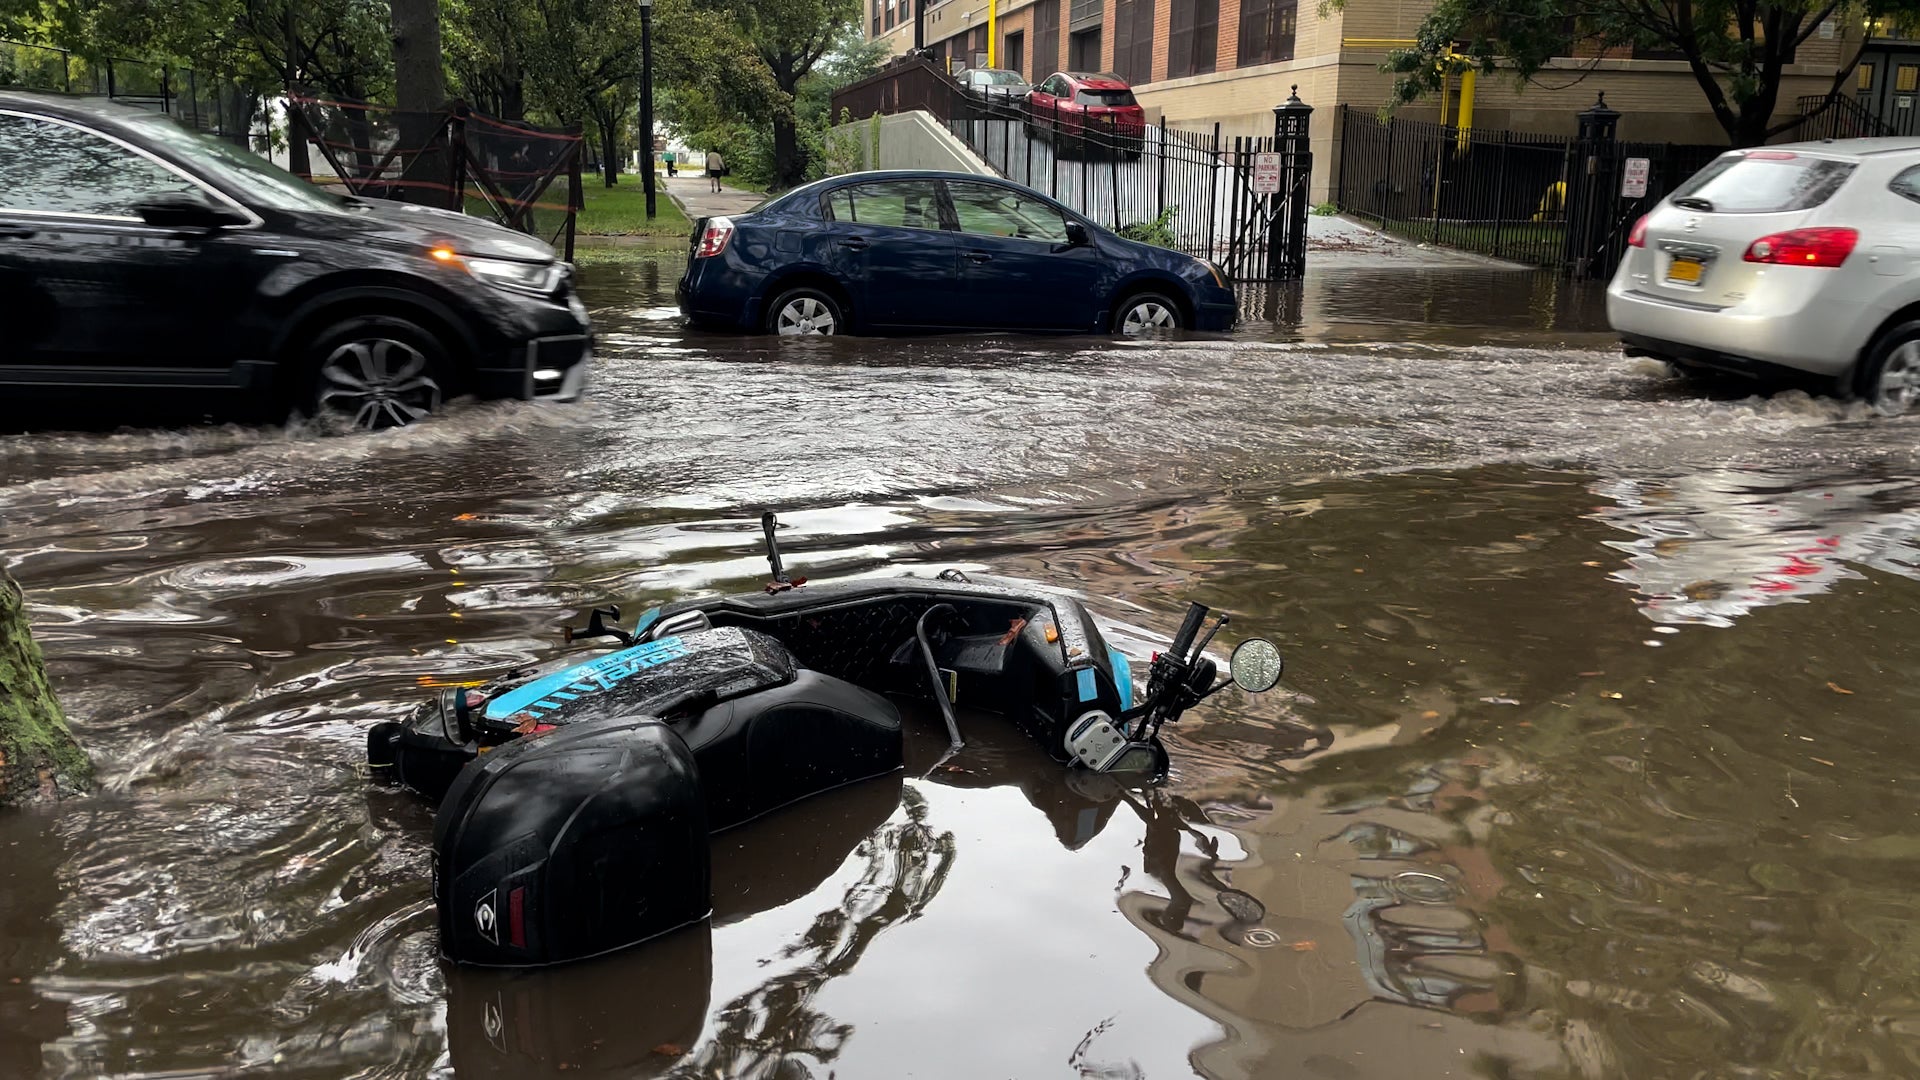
x: 916, y: 250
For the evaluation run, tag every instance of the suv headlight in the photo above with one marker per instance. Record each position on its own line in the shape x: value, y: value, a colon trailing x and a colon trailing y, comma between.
x: 538, y: 278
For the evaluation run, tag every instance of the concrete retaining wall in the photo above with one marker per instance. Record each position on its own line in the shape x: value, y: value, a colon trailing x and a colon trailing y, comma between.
x: 908, y: 140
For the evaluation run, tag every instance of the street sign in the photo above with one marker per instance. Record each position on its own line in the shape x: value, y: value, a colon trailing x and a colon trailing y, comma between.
x: 1266, y: 174
x: 1634, y: 184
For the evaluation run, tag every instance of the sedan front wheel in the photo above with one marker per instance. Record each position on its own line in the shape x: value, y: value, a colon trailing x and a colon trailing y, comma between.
x: 1146, y: 313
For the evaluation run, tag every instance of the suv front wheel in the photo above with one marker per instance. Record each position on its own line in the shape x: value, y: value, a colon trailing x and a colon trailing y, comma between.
x: 374, y: 372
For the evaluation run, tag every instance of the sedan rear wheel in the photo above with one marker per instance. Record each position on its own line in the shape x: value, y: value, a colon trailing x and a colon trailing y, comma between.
x: 1890, y: 379
x: 1146, y: 313
x: 804, y: 311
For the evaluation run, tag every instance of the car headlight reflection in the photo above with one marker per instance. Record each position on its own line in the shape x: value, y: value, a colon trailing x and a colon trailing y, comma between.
x: 537, y: 278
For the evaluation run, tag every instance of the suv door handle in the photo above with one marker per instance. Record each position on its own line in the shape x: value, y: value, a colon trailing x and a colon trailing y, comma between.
x: 855, y: 243
x: 979, y: 257
x: 16, y: 232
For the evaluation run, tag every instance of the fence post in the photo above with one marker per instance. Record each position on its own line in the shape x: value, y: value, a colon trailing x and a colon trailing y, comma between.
x: 1500, y: 191
x: 1213, y: 186
x: 1287, y: 242
x: 1385, y: 190
x: 1595, y: 145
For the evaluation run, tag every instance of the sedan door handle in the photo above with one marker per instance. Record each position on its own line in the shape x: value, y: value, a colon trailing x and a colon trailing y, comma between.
x: 854, y: 243
x: 979, y: 257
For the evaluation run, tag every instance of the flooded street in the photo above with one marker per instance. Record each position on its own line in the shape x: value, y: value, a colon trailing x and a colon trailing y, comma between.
x: 1594, y: 756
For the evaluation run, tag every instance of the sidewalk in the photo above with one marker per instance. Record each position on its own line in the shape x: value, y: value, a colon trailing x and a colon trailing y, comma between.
x: 696, y: 198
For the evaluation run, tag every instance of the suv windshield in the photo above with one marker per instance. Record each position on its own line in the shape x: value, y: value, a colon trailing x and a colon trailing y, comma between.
x: 1764, y: 182
x: 1103, y: 97
x: 263, y: 181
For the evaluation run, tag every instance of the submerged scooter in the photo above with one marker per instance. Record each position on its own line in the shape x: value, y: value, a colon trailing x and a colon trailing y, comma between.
x: 576, y: 797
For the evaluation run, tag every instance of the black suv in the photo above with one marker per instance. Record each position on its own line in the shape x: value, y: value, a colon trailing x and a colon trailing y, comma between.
x: 138, y: 257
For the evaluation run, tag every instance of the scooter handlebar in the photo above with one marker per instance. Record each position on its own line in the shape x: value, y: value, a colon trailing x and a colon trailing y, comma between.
x: 1183, y: 641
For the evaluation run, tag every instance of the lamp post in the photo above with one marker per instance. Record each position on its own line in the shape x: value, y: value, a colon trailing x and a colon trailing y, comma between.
x: 646, y: 101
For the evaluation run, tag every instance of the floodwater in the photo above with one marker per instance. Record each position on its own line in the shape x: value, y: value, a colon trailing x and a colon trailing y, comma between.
x: 1594, y: 757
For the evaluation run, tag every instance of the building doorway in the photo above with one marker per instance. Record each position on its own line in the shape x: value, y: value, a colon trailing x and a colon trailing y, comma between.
x: 1083, y: 50
x: 1887, y: 85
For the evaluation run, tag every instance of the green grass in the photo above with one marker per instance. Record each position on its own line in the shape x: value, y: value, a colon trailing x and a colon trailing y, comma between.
x: 622, y: 211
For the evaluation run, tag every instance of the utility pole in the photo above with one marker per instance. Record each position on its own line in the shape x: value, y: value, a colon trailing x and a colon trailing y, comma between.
x: 646, y: 103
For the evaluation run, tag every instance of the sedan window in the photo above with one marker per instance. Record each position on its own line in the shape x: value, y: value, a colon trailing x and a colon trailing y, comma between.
x: 1907, y: 184
x: 904, y: 204
x: 985, y: 210
x: 52, y: 168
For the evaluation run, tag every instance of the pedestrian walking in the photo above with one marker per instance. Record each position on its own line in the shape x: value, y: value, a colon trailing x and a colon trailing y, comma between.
x: 715, y: 166
x: 668, y: 158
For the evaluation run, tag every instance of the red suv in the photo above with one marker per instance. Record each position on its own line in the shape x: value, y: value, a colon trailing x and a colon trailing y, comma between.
x: 1089, y: 110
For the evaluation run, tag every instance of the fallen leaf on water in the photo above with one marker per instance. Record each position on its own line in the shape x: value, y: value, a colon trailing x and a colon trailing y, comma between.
x: 1838, y: 689
x: 1614, y: 694
x: 1592, y: 562
x: 1305, y: 946
x: 1526, y: 723
x: 669, y: 1049
x: 1430, y: 714
x: 1591, y: 674
x: 463, y: 517
x: 1357, y: 570
x: 1824, y: 761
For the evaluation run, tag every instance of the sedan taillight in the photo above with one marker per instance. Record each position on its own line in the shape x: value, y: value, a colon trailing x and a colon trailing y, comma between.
x: 714, y: 240
x: 1638, y: 237
x: 1826, y: 247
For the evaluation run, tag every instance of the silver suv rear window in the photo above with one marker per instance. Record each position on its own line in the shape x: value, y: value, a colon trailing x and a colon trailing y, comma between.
x: 1765, y: 182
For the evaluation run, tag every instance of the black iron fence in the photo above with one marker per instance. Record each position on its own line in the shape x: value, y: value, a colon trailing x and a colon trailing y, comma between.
x: 1543, y: 200
x: 1838, y: 116
x: 206, y: 103
x: 1500, y: 193
x: 1241, y: 201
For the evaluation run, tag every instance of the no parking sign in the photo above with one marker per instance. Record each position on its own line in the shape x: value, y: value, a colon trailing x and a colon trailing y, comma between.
x: 1633, y: 185
x: 1266, y: 174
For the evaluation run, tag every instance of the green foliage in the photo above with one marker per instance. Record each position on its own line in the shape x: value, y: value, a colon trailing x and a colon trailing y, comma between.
x: 1325, y: 210
x: 846, y: 146
x: 1159, y: 231
x: 1736, y: 48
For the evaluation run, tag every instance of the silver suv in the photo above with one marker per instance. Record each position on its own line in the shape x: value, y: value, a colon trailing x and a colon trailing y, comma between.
x: 1803, y: 257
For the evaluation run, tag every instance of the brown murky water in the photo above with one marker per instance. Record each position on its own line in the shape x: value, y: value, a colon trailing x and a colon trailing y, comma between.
x: 1594, y: 757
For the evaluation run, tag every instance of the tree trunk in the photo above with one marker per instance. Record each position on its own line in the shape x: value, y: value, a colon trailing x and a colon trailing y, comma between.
x: 38, y: 757
x: 420, y: 92
x: 609, y: 163
x: 789, y: 164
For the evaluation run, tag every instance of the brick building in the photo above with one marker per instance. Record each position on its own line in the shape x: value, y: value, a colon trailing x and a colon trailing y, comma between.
x: 1194, y: 63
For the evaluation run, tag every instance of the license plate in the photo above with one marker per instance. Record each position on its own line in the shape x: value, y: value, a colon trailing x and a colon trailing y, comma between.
x: 1685, y: 271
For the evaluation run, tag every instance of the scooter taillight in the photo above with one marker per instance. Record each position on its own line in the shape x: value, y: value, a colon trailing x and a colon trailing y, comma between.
x: 713, y: 241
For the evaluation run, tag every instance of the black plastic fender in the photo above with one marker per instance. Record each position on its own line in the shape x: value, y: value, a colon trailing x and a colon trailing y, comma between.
x: 571, y: 844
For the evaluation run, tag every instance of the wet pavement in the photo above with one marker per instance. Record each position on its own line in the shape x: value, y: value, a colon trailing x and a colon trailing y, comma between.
x: 1593, y: 758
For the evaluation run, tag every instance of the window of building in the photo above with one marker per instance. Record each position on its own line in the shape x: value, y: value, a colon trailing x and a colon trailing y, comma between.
x: 1266, y: 31
x: 1864, y: 82
x: 1046, y: 38
x: 1194, y: 38
x: 1016, y: 57
x: 1083, y: 50
x: 1906, y: 79
x: 1133, y: 40
x: 890, y: 14
x: 876, y: 18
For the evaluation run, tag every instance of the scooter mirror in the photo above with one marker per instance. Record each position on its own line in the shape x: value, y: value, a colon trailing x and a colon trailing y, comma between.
x: 1256, y: 665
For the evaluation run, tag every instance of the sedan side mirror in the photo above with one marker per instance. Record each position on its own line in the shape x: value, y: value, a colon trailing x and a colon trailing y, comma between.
x: 1077, y: 235
x: 185, y: 212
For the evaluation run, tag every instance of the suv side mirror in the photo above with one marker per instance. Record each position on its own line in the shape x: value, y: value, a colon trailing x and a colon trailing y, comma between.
x: 1077, y: 235
x: 185, y: 212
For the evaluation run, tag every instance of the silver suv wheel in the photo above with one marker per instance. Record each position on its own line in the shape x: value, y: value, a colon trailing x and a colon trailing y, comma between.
x: 378, y: 383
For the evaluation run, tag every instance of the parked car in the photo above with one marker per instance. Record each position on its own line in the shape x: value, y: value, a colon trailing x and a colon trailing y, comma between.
x: 1080, y: 111
x: 139, y: 258
x: 997, y: 85
x: 937, y: 251
x: 1797, y: 258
